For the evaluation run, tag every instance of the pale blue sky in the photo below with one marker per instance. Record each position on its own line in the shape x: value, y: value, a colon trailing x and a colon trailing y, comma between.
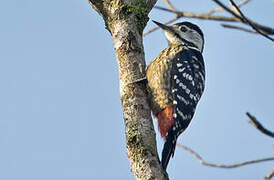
x: 60, y: 110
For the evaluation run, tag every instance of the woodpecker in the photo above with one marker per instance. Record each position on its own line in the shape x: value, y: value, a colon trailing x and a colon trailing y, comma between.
x: 176, y: 81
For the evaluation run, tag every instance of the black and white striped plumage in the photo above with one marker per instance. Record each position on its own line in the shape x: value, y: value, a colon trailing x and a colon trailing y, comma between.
x: 176, y: 80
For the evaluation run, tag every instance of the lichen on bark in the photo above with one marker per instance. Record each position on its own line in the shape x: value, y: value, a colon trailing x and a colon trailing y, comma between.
x: 140, y: 13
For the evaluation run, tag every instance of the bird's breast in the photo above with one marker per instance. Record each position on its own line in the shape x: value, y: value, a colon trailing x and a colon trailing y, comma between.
x: 158, y: 75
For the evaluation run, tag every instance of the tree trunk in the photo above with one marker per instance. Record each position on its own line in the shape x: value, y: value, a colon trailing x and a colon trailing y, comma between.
x: 125, y: 20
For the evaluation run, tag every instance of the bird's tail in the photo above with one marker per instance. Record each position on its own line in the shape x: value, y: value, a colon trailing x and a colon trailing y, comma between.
x: 168, y: 149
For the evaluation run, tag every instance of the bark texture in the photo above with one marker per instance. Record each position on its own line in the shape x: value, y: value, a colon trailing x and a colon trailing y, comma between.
x: 125, y: 20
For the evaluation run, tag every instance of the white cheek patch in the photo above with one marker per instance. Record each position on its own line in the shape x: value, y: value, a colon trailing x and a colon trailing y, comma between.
x: 193, y: 37
x: 189, y: 35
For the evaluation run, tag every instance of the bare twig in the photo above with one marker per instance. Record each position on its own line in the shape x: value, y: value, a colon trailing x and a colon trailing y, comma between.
x: 238, y: 5
x: 219, y: 9
x: 243, y: 3
x: 169, y: 5
x: 258, y: 125
x: 207, y: 16
x: 237, y: 17
x: 269, y: 175
x: 199, y: 15
x: 238, y: 28
x: 228, y: 10
x: 196, y: 155
x: 242, y: 17
x: 250, y: 23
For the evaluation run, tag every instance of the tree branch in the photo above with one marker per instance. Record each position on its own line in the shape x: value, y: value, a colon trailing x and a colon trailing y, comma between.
x: 247, y: 21
x: 197, y: 156
x: 242, y: 17
x: 169, y: 5
x: 220, y: 9
x: 259, y: 126
x: 266, y: 29
x: 238, y: 28
x: 235, y: 11
x: 206, y: 16
x: 180, y: 14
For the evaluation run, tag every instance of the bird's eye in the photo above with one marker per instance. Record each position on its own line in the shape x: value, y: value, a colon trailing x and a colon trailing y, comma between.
x: 183, y: 29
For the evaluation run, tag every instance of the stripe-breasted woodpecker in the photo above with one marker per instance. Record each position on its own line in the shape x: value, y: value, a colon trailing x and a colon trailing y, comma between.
x: 176, y: 81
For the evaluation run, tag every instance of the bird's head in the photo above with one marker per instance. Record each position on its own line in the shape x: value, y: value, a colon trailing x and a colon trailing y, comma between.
x: 184, y: 33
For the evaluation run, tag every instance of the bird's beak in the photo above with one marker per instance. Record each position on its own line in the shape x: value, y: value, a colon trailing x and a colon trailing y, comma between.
x: 163, y: 26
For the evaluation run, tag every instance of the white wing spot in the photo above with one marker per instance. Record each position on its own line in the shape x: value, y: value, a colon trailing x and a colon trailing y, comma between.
x: 196, y: 66
x: 182, y: 85
x: 181, y: 114
x: 181, y: 98
x: 197, y: 49
x: 190, y: 77
x: 179, y: 64
x: 198, y: 96
x: 195, y: 58
x: 192, y: 97
x: 203, y: 79
x: 174, y: 90
x: 181, y: 70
